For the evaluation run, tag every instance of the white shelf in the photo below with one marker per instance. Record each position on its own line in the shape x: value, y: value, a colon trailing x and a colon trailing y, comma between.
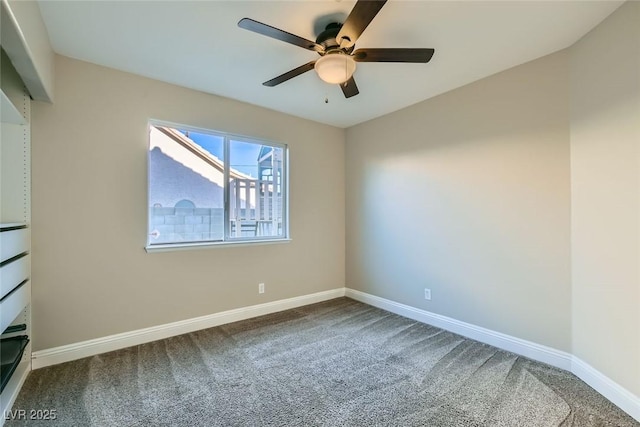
x: 8, y: 112
x: 14, y: 304
x: 14, y: 242
x: 13, y: 274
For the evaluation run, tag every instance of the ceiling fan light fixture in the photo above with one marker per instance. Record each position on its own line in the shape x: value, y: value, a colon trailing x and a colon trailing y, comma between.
x: 335, y: 68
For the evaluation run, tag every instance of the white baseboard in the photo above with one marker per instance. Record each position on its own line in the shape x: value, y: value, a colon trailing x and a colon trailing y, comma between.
x: 604, y: 385
x: 613, y: 391
x: 617, y: 394
x: 551, y: 356
x: 75, y: 351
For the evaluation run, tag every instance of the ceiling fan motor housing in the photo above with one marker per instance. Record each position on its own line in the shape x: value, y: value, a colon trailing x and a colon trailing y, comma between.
x: 335, y: 45
x: 327, y: 39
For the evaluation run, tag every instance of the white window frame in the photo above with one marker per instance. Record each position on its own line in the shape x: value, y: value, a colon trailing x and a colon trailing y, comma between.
x: 228, y: 239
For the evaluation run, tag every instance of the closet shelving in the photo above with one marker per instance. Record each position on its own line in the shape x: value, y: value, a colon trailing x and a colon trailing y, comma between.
x: 15, y: 236
x: 15, y: 295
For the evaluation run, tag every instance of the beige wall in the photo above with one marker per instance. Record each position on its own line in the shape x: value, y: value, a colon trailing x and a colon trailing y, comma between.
x: 515, y: 199
x: 468, y: 194
x: 605, y: 196
x: 91, y: 275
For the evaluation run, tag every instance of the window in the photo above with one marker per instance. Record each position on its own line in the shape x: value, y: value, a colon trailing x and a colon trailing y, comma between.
x: 208, y: 187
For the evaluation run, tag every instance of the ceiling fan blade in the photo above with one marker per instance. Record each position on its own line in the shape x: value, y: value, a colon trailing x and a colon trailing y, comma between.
x: 360, y: 17
x: 290, y: 74
x: 349, y: 88
x: 393, y: 55
x: 278, y: 34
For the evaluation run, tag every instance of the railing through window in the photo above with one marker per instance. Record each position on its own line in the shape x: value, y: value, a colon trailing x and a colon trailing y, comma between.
x: 255, y: 208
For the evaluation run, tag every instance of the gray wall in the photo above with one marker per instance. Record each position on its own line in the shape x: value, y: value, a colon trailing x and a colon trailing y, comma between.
x: 173, y: 181
x: 516, y: 199
x: 91, y: 275
x: 468, y: 194
x: 605, y: 196
x: 171, y: 225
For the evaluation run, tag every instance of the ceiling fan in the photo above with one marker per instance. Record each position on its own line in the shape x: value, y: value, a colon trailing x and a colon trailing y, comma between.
x: 336, y: 45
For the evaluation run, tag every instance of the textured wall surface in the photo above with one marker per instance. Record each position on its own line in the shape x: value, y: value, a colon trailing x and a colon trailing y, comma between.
x: 468, y: 194
x: 91, y: 275
x: 605, y: 197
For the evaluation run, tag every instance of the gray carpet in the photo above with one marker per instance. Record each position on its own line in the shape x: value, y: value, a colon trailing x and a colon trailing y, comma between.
x: 337, y: 363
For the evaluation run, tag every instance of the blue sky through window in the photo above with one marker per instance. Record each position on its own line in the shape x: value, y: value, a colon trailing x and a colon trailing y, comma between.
x: 244, y: 156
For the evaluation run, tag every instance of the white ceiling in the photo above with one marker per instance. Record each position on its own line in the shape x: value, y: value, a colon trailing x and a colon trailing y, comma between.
x: 197, y: 44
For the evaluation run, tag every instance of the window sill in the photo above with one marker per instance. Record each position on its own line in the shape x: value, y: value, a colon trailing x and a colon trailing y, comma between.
x: 211, y: 245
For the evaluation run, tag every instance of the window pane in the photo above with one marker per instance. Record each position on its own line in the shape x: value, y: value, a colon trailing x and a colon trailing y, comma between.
x: 186, y: 186
x: 190, y: 201
x: 255, y: 190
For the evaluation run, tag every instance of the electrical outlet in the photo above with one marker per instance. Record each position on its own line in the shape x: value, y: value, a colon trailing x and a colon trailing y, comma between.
x: 261, y: 288
x: 427, y: 294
